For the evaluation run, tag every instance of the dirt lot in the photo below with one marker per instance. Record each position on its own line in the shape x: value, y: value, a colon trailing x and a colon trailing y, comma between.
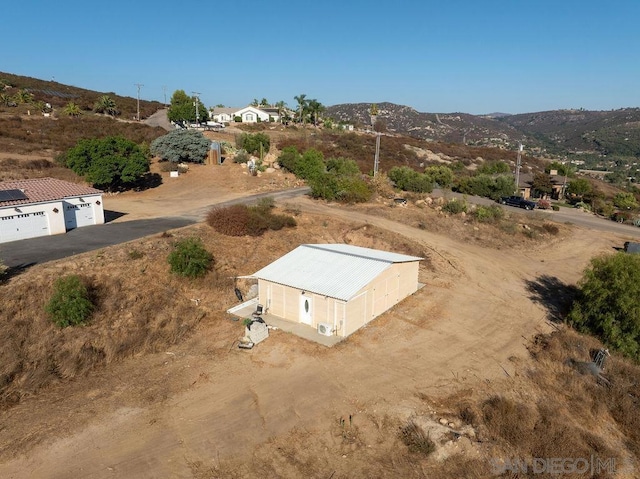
x: 290, y: 408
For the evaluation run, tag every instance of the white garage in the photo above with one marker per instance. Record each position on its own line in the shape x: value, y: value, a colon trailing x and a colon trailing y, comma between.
x: 46, y: 206
x: 22, y: 226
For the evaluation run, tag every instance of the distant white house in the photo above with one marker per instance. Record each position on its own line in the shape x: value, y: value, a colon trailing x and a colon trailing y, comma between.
x: 248, y: 114
x: 222, y: 115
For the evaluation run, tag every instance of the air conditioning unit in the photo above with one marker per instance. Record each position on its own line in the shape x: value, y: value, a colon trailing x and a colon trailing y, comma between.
x: 325, y: 329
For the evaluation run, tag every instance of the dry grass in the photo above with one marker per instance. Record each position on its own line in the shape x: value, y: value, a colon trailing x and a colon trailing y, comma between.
x: 25, y: 135
x: 140, y: 307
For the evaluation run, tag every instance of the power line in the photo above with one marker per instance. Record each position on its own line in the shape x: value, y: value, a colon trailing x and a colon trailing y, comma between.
x: 139, y: 85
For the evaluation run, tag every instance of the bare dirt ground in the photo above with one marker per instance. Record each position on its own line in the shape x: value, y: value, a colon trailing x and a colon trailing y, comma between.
x: 206, y: 409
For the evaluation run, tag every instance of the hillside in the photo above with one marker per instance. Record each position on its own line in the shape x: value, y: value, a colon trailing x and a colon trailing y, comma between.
x: 58, y: 95
x: 559, y: 132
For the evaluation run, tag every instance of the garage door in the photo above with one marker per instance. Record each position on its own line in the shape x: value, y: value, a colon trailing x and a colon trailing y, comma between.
x: 76, y: 216
x: 22, y: 226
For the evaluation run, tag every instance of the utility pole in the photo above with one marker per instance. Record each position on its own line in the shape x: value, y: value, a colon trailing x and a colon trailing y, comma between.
x: 374, y: 116
x: 518, y: 165
x: 164, y: 90
x: 376, y: 159
x: 139, y: 85
x: 197, y: 97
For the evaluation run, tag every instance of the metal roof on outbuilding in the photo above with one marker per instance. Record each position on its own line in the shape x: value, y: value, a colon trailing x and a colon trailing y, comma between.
x: 335, y: 270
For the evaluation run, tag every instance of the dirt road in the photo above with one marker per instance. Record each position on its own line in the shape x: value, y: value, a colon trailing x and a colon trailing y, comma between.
x: 207, y: 403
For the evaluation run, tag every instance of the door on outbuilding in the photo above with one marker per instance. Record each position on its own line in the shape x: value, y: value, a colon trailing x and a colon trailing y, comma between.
x: 23, y: 226
x: 76, y: 216
x: 306, y: 303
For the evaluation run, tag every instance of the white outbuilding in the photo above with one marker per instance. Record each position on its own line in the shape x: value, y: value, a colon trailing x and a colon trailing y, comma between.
x: 46, y: 206
x: 336, y: 288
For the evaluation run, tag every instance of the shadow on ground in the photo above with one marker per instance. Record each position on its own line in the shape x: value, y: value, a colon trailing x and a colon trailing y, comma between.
x: 14, y: 271
x: 110, y: 215
x: 556, y: 296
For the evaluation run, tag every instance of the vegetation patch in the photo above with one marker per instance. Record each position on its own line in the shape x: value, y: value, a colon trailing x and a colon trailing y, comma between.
x: 70, y: 304
x: 414, y: 437
x: 181, y: 146
x: 243, y: 220
x: 607, y: 304
x: 190, y: 258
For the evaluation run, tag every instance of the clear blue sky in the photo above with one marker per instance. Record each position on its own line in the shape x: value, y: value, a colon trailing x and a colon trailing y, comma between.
x: 475, y: 56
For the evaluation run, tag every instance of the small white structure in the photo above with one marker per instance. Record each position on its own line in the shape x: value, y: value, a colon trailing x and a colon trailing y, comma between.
x: 336, y: 288
x: 257, y: 331
x: 46, y: 206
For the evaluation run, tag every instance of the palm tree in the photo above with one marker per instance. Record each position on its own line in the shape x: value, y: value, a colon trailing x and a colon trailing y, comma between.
x: 105, y: 104
x: 255, y: 102
x: 280, y: 105
x: 264, y: 102
x: 315, y: 108
x: 71, y: 109
x: 302, y: 104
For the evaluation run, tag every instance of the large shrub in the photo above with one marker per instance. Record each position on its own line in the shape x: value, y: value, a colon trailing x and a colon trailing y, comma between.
x: 311, y: 165
x: 440, y: 175
x: 488, y: 214
x: 408, y: 179
x: 608, y: 305
x: 241, y: 220
x: 109, y: 162
x: 487, y: 186
x: 190, y: 259
x: 180, y: 146
x: 252, y: 143
x: 289, y: 159
x: 70, y: 304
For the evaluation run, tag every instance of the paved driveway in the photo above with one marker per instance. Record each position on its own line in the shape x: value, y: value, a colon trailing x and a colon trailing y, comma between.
x: 48, y: 248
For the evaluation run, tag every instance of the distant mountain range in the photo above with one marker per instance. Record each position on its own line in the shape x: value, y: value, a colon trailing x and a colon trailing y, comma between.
x: 615, y: 132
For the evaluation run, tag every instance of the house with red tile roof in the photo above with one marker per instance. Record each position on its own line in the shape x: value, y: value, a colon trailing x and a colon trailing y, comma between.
x: 46, y: 206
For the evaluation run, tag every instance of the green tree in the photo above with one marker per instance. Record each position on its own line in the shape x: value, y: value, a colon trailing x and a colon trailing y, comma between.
x: 107, y: 105
x: 182, y: 108
x: 110, y: 163
x: 311, y: 165
x: 494, y: 168
x: 70, y: 304
x: 373, y: 111
x: 607, y: 304
x: 542, y: 184
x: 302, y: 106
x: 190, y: 259
x: 181, y: 145
x: 579, y: 188
x: 625, y: 201
x: 264, y: 103
x: 562, y: 169
x: 71, y: 109
x: 254, y: 103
